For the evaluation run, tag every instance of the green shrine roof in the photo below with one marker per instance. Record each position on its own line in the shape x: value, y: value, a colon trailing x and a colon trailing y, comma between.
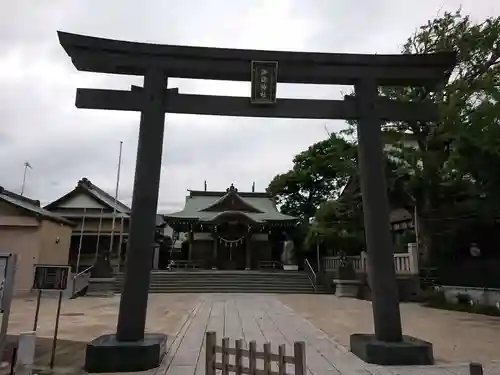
x: 206, y: 206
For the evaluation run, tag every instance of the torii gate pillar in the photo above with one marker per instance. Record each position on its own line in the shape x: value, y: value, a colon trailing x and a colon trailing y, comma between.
x: 387, y: 346
x: 131, y: 349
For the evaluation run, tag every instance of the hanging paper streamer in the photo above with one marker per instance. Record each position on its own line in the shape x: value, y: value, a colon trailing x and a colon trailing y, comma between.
x: 235, y: 242
x: 231, y: 243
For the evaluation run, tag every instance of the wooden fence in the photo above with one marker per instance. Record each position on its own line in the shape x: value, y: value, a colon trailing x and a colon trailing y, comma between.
x: 238, y: 367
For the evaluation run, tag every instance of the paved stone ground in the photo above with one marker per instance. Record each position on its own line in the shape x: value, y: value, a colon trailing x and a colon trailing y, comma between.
x: 83, y: 319
x: 262, y: 318
x: 456, y: 336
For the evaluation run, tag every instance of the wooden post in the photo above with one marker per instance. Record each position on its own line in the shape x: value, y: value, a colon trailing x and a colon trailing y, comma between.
x: 248, y: 259
x: 56, y: 329
x: 363, y: 262
x: 281, y: 360
x: 413, y: 255
x: 210, y: 342
x: 475, y: 369
x: 225, y: 356
x: 190, y: 249
x: 299, y: 354
x: 215, y: 250
x: 238, y: 356
x: 252, y: 358
x: 267, y: 358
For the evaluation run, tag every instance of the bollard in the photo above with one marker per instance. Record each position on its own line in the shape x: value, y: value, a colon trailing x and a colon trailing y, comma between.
x: 25, y: 353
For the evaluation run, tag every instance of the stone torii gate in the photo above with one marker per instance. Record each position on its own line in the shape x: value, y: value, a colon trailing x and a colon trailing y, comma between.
x: 133, y: 350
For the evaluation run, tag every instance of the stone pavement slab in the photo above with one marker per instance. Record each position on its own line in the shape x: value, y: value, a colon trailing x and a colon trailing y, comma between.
x: 85, y: 318
x: 186, y: 319
x: 456, y: 336
x: 264, y: 318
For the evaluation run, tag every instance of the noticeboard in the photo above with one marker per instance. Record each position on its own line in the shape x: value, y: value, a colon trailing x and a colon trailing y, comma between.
x: 264, y: 82
x: 3, y: 279
x: 50, y: 277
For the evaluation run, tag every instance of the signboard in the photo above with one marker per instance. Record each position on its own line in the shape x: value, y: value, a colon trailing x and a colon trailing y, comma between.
x: 264, y: 82
x: 49, y: 277
x: 3, y: 279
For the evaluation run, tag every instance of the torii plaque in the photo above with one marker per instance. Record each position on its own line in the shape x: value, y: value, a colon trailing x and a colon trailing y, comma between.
x: 132, y: 350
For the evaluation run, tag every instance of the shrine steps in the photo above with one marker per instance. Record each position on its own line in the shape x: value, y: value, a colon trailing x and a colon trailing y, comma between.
x: 226, y: 282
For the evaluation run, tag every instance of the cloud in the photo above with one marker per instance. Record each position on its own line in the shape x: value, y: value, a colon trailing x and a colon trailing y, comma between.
x: 39, y: 123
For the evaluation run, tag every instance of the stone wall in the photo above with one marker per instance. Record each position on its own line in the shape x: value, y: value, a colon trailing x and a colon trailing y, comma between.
x: 408, y: 285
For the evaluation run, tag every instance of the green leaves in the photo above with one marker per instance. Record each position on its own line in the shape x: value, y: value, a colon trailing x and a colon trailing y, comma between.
x: 470, y: 114
x: 318, y: 174
x: 435, y: 165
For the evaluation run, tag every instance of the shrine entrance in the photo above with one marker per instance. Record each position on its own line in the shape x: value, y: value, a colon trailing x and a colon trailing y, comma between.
x: 231, y: 229
x: 232, y: 247
x: 130, y: 349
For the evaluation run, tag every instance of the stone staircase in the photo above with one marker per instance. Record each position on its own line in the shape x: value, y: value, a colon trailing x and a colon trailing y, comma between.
x: 197, y: 281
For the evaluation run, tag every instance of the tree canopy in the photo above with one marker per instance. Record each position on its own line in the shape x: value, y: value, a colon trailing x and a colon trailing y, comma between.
x: 454, y: 158
x: 438, y: 166
x: 318, y: 174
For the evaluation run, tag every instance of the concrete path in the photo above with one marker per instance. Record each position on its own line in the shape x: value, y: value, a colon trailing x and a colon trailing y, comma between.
x: 264, y: 318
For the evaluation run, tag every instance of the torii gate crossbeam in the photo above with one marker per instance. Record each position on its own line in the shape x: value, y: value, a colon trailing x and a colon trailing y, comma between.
x: 130, y: 349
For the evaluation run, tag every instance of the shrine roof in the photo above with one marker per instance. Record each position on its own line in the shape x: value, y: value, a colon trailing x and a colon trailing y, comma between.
x: 206, y: 206
x: 85, y: 186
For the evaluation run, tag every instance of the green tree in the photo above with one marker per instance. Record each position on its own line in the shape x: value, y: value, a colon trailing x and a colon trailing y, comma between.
x: 340, y: 224
x: 318, y: 174
x: 462, y: 148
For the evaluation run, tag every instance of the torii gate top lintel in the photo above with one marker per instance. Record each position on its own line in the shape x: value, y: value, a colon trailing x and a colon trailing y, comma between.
x: 157, y: 63
x: 132, y: 58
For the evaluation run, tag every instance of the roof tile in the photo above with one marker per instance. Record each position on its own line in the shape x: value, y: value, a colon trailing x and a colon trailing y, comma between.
x: 31, y: 206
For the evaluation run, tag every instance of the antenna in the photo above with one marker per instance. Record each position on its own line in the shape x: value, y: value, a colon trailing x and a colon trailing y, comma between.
x: 327, y: 131
x: 26, y: 166
x: 253, y: 187
x: 205, y: 185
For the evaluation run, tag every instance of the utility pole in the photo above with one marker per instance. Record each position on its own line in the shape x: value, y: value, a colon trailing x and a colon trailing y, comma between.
x: 115, y: 203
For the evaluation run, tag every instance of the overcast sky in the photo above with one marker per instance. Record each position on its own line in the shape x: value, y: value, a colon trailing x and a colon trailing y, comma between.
x: 40, y: 124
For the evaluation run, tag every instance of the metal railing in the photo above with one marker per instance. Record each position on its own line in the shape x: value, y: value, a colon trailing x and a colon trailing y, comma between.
x: 78, y: 276
x: 274, y: 264
x: 178, y: 264
x: 311, y: 274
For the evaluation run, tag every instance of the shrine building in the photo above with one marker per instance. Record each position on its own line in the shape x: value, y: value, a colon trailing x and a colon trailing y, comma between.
x: 232, y: 229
